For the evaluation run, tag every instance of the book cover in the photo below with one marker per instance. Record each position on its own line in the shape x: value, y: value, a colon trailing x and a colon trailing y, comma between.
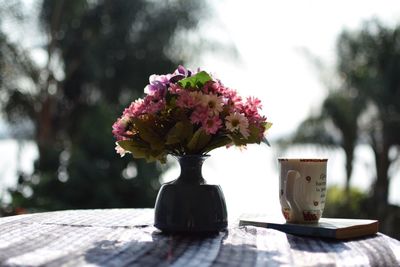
x: 326, y: 227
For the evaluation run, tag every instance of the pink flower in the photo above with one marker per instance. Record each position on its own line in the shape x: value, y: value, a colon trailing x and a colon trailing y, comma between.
x: 211, y: 87
x: 208, y: 104
x: 117, y: 130
x: 231, y: 99
x: 258, y: 122
x: 153, y: 104
x: 238, y: 122
x: 254, y: 102
x: 199, y: 115
x: 174, y: 88
x: 219, y: 87
x: 136, y: 108
x: 185, y: 100
x: 121, y: 126
x: 154, y: 107
x: 252, y: 106
x: 212, y: 125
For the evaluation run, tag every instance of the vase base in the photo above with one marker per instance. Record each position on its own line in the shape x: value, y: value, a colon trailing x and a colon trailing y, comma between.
x: 171, y: 229
x: 184, y: 208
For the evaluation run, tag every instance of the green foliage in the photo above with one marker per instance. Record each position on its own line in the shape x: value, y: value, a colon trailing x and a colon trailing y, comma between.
x: 186, y: 116
x: 357, y: 204
x: 106, y: 51
x: 365, y: 108
x: 138, y: 149
x: 198, y: 141
x: 196, y: 81
x: 217, y: 142
x: 180, y: 133
x: 340, y: 204
x: 149, y: 134
x: 370, y: 58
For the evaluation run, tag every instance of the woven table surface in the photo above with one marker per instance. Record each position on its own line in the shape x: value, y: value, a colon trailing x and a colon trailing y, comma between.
x: 126, y: 237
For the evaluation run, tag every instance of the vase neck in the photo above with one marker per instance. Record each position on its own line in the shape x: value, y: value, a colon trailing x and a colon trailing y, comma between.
x: 191, y: 169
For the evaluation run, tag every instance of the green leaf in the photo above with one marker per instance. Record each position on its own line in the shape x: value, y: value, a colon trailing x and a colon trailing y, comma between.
x: 156, y: 155
x: 148, y: 134
x: 199, y: 140
x: 238, y: 139
x: 198, y: 80
x: 138, y: 150
x: 141, y: 150
x: 180, y: 133
x: 267, y: 125
x: 217, y: 143
x: 265, y: 141
x: 187, y: 131
x: 254, y: 134
x: 173, y: 136
x: 171, y: 99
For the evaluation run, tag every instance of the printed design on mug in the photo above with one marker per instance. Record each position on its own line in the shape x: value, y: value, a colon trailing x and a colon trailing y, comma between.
x: 313, y: 160
x: 286, y: 213
x: 316, y: 203
x: 311, y: 215
x: 322, y: 176
x: 308, y: 178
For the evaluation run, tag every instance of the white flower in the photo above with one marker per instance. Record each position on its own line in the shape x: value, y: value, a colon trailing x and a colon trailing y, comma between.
x: 213, y: 103
x: 196, y: 96
x: 120, y: 150
x: 237, y: 122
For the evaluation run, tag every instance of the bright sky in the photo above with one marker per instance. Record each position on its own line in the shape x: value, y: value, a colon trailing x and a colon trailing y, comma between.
x: 271, y: 37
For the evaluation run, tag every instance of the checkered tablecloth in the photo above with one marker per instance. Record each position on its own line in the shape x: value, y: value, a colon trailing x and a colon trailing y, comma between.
x: 126, y: 237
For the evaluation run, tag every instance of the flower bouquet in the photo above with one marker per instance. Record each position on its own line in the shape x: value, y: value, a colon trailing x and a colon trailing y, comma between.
x: 187, y: 113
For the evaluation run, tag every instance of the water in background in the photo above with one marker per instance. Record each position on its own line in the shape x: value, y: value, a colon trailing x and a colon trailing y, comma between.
x: 11, y: 160
x: 249, y: 178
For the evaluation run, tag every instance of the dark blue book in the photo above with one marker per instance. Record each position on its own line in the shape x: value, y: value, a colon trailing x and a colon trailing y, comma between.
x: 325, y: 228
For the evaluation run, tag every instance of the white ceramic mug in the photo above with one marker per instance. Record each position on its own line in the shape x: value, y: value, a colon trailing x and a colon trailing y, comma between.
x: 302, y: 189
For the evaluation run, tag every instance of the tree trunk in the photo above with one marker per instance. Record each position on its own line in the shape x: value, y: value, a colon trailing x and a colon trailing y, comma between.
x: 349, y: 152
x: 381, y: 186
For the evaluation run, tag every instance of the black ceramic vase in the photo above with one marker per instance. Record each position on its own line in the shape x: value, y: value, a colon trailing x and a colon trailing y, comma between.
x: 188, y: 204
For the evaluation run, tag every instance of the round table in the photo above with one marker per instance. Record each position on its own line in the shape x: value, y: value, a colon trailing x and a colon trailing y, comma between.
x: 127, y: 237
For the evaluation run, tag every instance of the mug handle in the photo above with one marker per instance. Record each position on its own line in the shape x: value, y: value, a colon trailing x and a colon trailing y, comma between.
x: 291, y: 192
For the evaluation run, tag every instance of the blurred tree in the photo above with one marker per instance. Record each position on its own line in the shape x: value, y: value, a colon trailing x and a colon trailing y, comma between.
x: 370, y: 60
x: 365, y: 109
x: 99, y: 57
x: 338, y: 207
x: 335, y: 127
